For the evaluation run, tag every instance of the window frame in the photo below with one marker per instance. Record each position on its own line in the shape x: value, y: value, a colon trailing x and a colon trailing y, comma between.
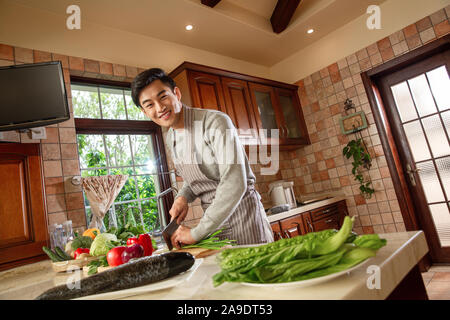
x: 109, y: 126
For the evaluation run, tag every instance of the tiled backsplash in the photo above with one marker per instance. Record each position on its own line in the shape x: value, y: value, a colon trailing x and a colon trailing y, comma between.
x: 319, y: 167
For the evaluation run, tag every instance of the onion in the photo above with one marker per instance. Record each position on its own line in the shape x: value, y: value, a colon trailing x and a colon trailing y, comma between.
x: 131, y: 252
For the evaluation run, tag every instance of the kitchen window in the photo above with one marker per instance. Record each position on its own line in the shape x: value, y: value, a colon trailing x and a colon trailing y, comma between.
x: 114, y: 137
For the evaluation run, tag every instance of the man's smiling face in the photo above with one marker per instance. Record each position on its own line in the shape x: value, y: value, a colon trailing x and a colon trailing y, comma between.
x: 161, y: 104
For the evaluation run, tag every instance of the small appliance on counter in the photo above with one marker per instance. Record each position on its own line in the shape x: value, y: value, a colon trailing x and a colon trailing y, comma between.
x: 282, y: 196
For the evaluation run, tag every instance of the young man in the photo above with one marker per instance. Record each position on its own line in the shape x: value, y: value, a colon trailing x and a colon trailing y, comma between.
x: 212, y: 162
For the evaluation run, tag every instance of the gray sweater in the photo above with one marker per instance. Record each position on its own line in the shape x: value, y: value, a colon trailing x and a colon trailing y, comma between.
x: 222, y: 158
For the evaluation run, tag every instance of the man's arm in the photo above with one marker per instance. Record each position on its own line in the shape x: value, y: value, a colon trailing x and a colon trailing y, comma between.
x: 221, y: 136
x: 186, y: 192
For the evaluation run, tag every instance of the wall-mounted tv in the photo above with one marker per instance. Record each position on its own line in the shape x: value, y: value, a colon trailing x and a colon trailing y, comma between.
x: 32, y: 95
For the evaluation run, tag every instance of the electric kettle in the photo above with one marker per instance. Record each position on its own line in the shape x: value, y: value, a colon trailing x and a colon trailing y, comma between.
x: 282, y: 192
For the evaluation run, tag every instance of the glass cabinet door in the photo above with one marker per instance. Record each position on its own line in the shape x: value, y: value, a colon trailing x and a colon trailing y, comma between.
x: 288, y: 107
x: 263, y: 98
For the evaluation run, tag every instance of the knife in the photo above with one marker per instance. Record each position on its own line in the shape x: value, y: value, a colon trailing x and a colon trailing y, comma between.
x: 168, y: 232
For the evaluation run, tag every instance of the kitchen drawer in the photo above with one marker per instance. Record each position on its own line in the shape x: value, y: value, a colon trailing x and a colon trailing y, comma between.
x: 323, y: 212
x: 330, y: 222
x: 292, y: 226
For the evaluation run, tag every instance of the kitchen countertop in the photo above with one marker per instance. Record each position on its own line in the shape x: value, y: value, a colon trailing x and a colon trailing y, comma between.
x: 402, y: 252
x: 304, y: 208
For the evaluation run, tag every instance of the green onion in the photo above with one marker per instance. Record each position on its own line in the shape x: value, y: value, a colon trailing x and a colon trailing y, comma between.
x: 212, y: 242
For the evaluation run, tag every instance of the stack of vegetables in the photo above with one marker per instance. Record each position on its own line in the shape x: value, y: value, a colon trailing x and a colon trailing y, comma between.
x: 304, y: 257
x: 112, y: 248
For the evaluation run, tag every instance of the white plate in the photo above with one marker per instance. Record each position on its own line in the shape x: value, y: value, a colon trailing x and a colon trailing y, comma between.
x: 164, y: 284
x: 304, y: 283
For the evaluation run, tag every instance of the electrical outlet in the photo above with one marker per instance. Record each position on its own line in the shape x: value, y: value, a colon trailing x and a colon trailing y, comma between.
x: 38, y: 133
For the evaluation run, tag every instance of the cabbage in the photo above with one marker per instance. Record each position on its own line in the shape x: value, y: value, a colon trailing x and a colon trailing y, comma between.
x: 100, y: 245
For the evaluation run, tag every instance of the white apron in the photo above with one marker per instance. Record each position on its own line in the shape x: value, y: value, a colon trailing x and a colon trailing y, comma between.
x: 248, y: 224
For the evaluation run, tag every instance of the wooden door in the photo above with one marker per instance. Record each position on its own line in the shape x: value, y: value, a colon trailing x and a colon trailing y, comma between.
x: 23, y: 220
x: 293, y: 124
x: 240, y: 109
x: 418, y: 110
x: 206, y: 91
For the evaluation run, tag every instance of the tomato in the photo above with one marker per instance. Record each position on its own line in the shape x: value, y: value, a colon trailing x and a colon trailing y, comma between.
x: 114, y: 256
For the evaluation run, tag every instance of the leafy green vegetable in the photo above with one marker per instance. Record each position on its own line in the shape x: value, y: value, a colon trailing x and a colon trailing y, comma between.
x: 81, y: 242
x: 211, y: 242
x: 127, y: 231
x: 234, y: 255
x: 101, y: 244
x: 371, y: 241
x: 279, y: 272
x: 304, y: 257
x: 93, y: 265
x: 336, y: 241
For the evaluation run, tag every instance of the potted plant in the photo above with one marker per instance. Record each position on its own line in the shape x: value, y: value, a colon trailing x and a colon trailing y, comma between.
x: 361, y: 159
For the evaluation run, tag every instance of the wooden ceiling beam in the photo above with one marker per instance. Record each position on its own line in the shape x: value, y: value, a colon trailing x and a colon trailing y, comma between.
x: 210, y: 3
x: 282, y: 14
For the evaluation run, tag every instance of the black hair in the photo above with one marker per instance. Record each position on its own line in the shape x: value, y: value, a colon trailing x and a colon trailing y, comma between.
x: 146, y: 77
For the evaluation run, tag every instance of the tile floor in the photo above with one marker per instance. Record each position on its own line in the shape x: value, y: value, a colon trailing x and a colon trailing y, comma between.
x: 437, y: 282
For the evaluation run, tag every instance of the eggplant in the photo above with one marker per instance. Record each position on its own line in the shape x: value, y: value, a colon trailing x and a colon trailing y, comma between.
x: 135, y: 273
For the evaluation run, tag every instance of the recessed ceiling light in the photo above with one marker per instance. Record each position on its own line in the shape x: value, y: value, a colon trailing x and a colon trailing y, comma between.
x: 189, y: 27
x: 310, y: 31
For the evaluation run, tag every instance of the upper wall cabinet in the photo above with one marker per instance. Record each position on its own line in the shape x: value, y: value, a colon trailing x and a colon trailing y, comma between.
x: 256, y: 106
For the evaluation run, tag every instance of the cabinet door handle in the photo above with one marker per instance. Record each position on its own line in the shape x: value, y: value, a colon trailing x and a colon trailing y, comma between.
x: 329, y: 221
x: 279, y: 235
x: 326, y: 211
x: 310, y: 225
x: 297, y: 225
x: 287, y: 234
x: 287, y: 130
x: 281, y: 131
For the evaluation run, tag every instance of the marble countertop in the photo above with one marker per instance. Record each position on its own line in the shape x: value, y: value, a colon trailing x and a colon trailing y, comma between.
x: 402, y: 252
x: 304, y: 208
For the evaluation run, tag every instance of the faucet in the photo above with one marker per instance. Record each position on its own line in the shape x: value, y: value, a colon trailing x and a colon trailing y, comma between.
x: 162, y: 218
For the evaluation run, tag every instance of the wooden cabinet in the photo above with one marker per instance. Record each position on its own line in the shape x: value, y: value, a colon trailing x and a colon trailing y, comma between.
x: 255, y: 105
x: 276, y: 230
x: 327, y: 217
x: 206, y: 91
x: 240, y: 108
x: 23, y: 220
x: 292, y: 226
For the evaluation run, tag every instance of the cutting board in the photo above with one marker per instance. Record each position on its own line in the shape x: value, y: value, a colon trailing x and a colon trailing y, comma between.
x: 198, y: 252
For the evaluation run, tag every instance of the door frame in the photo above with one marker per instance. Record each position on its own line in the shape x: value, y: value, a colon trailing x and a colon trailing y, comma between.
x: 370, y: 80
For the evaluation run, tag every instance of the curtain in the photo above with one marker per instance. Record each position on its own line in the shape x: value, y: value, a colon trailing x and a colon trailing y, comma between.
x: 101, y: 191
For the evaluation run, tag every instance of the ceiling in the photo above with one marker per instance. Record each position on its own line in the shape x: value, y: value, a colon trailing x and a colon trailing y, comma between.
x: 239, y: 29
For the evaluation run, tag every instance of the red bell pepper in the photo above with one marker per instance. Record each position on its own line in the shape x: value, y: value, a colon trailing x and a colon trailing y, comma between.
x: 146, y: 242
x: 131, y: 241
x: 80, y: 251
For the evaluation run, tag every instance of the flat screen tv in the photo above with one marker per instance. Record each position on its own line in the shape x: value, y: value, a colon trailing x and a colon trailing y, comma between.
x: 32, y: 95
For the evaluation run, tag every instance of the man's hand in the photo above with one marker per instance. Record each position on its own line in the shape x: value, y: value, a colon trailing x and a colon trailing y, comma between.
x: 182, y: 236
x: 179, y: 209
